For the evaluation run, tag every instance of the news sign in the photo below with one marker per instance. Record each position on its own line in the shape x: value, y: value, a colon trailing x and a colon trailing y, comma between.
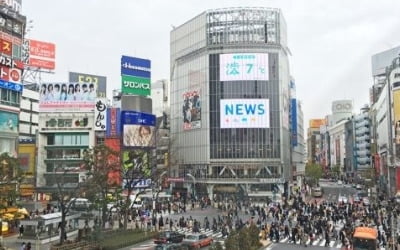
x: 244, y: 113
x: 243, y: 66
x: 133, y: 66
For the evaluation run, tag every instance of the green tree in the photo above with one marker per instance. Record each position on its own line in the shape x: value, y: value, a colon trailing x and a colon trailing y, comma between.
x: 10, y: 178
x: 314, y: 173
x: 336, y: 171
x: 101, y: 162
x: 246, y: 238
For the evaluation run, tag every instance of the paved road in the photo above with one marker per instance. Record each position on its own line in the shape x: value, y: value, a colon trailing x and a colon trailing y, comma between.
x: 318, y: 244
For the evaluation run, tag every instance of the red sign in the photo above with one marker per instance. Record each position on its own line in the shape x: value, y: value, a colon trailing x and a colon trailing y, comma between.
x: 114, y: 176
x: 10, y: 38
x: 10, y: 74
x: 5, y: 47
x: 40, y: 63
x: 42, y: 49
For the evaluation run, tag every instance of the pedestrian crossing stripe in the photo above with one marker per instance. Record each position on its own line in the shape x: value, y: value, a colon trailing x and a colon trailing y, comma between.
x: 208, y: 232
x: 317, y: 242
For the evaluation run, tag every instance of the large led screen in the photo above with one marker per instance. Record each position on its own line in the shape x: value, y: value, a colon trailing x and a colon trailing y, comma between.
x: 243, y: 66
x: 244, y: 113
x: 139, y: 135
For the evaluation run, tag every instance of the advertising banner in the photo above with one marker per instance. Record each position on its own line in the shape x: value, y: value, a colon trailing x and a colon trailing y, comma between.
x: 133, y: 66
x: 138, y: 183
x: 191, y: 110
x: 136, y: 164
x: 99, y: 81
x: 10, y: 85
x: 136, y: 85
x: 294, y: 121
x: 316, y: 123
x: 39, y: 54
x: 244, y: 113
x: 243, y: 66
x: 8, y: 122
x: 396, y: 118
x: 113, y: 122
x: 114, y: 176
x: 100, y: 115
x: 9, y: 62
x: 67, y: 96
x: 138, y: 129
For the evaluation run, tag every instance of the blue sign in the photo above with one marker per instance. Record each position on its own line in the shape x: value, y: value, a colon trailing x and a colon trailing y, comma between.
x: 12, y: 86
x: 294, y: 121
x: 138, y: 118
x: 133, y: 66
x: 113, y: 122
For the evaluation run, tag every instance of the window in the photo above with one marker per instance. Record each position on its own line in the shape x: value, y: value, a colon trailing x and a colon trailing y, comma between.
x: 68, y: 139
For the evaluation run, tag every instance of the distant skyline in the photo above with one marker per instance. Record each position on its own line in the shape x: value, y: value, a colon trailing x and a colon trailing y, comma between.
x: 331, y: 42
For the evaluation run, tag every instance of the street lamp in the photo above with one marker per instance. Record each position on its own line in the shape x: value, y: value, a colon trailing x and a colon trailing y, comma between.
x: 194, y: 185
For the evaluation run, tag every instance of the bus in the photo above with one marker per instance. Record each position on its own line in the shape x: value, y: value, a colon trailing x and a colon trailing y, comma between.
x: 365, y: 238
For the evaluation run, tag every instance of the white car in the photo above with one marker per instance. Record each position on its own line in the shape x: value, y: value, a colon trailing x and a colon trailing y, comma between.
x: 342, y: 199
x: 358, y: 187
x: 366, y: 201
x: 340, y: 182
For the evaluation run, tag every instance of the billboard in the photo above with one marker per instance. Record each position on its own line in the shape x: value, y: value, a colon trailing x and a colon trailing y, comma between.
x: 39, y: 54
x: 243, y: 66
x: 8, y: 122
x: 244, y: 113
x: 114, y: 176
x: 99, y: 81
x: 133, y: 66
x: 294, y: 121
x: 316, y: 123
x: 67, y: 96
x: 100, y: 115
x: 396, y: 118
x: 136, y: 163
x: 135, y: 85
x: 113, y: 127
x: 191, y: 110
x: 138, y: 129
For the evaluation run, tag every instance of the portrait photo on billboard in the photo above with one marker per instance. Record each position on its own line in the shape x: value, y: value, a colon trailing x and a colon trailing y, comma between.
x: 191, y: 110
x: 65, y: 95
x: 136, y: 164
x: 139, y: 135
x: 8, y: 122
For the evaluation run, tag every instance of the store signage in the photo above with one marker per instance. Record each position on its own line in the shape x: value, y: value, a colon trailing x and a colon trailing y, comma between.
x: 10, y: 74
x: 113, y: 122
x: 133, y: 66
x: 100, y: 115
x: 10, y: 85
x: 136, y: 85
x: 9, y: 62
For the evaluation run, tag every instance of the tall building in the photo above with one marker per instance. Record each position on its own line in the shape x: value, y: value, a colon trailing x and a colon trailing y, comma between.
x: 11, y: 31
x: 29, y: 114
x: 230, y: 104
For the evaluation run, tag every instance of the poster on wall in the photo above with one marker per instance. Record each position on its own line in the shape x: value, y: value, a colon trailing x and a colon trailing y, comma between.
x: 8, y: 122
x: 191, y: 110
x: 244, y: 113
x: 100, y: 115
x: 243, y: 66
x: 136, y: 163
x: 67, y: 96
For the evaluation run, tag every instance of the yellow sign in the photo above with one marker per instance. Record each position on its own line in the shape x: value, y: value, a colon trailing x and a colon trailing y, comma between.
x: 316, y: 123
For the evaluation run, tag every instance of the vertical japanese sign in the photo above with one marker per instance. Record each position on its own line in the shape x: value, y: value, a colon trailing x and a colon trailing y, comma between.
x: 113, y: 122
x: 100, y: 115
x: 243, y: 66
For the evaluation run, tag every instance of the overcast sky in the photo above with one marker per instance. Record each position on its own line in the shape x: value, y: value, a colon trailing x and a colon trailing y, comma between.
x: 331, y: 41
